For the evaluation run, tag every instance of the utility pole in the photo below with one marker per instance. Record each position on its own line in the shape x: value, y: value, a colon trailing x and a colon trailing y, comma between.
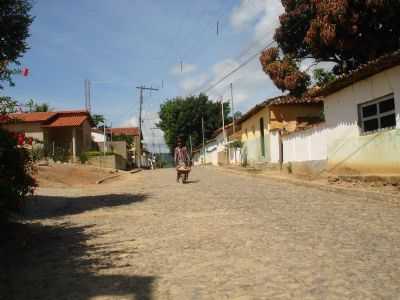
x: 111, y: 137
x: 233, y: 110
x: 139, y: 151
x: 154, y: 146
x: 223, y: 119
x: 190, y: 143
x: 105, y: 137
x: 204, y: 149
x: 87, y: 95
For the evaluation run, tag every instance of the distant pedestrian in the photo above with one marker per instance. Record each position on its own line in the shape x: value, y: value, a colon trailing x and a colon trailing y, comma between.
x: 182, y: 161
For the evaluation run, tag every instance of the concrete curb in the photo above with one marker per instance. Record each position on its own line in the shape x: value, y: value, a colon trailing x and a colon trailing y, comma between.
x: 360, y: 193
x: 107, y: 178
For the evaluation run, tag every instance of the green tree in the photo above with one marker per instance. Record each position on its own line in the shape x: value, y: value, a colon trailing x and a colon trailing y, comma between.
x: 347, y: 33
x: 7, y: 105
x: 15, y: 168
x: 14, y: 31
x: 323, y: 77
x: 238, y: 115
x: 42, y: 107
x: 15, y: 162
x: 98, y: 119
x: 182, y: 117
x: 33, y: 106
x: 123, y: 137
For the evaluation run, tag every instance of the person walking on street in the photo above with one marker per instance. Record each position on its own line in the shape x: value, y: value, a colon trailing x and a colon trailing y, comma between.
x: 182, y: 161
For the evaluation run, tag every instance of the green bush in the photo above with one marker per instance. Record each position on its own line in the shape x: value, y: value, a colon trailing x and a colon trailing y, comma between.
x: 83, y: 157
x: 92, y: 153
x: 60, y: 154
x: 16, y: 181
x: 38, y: 153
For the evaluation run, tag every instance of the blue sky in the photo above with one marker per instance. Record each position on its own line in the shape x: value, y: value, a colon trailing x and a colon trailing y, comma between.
x: 121, y: 44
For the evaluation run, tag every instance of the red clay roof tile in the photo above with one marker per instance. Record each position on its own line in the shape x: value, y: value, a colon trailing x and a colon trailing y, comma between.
x: 130, y: 131
x: 68, y: 121
x: 32, y: 117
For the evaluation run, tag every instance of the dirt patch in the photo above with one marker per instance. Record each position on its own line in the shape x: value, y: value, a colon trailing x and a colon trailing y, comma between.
x: 66, y: 175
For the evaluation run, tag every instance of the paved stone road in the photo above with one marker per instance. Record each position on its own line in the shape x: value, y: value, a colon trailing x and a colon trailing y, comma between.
x: 223, y: 236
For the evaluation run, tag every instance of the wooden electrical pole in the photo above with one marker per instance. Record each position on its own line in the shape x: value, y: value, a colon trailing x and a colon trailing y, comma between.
x: 139, y: 152
x: 204, y: 149
x: 233, y: 110
x: 223, y: 119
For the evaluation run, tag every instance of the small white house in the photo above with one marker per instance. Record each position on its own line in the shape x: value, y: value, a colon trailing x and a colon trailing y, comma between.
x: 362, y: 111
x: 361, y: 133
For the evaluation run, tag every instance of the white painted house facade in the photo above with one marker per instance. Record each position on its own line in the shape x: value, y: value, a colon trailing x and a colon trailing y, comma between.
x: 363, y: 121
x: 361, y: 133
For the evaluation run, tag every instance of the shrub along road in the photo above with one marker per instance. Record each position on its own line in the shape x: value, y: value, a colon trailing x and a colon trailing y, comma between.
x: 222, y: 236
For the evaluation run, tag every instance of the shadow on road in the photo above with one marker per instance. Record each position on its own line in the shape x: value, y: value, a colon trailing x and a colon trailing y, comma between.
x: 61, y: 262
x: 192, y: 181
x: 54, y: 206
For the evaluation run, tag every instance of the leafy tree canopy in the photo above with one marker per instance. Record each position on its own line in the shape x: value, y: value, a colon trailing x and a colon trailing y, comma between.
x: 14, y: 31
x: 181, y: 117
x: 7, y: 105
x: 323, y: 77
x: 33, y: 106
x: 98, y: 119
x: 345, y: 32
x: 123, y: 137
x: 238, y: 115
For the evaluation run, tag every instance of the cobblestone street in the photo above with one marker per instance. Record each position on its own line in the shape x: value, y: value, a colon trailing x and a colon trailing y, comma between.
x: 222, y: 236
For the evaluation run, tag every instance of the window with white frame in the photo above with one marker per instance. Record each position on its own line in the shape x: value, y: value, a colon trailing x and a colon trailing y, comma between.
x: 377, y: 114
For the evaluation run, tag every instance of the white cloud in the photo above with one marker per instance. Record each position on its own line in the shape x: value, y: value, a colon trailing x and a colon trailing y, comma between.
x: 245, y: 13
x: 189, y: 84
x: 250, y: 84
x: 183, y: 69
x: 131, y: 122
x: 262, y: 14
x: 151, y: 136
x: 265, y: 27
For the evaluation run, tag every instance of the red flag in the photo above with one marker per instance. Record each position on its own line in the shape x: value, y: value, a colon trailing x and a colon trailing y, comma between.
x: 25, y: 72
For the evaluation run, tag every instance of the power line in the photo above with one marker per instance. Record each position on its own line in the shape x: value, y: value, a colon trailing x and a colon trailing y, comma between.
x: 243, y: 64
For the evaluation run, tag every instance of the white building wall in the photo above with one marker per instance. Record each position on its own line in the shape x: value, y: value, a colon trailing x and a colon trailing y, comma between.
x: 197, y: 158
x: 306, y: 145
x: 347, y: 147
x: 274, y: 146
x: 234, y: 156
x: 97, y: 137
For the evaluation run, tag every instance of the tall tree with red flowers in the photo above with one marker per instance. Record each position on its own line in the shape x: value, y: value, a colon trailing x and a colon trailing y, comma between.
x: 347, y: 33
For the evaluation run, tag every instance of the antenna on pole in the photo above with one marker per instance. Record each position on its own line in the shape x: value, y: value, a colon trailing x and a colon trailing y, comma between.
x: 87, y: 88
x: 139, y: 151
x: 89, y: 107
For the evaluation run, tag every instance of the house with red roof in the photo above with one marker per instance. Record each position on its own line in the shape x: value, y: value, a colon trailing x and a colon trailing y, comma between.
x: 67, y: 130
x: 131, y: 132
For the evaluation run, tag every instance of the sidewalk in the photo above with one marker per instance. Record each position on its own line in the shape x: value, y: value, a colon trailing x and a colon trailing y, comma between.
x: 377, y: 190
